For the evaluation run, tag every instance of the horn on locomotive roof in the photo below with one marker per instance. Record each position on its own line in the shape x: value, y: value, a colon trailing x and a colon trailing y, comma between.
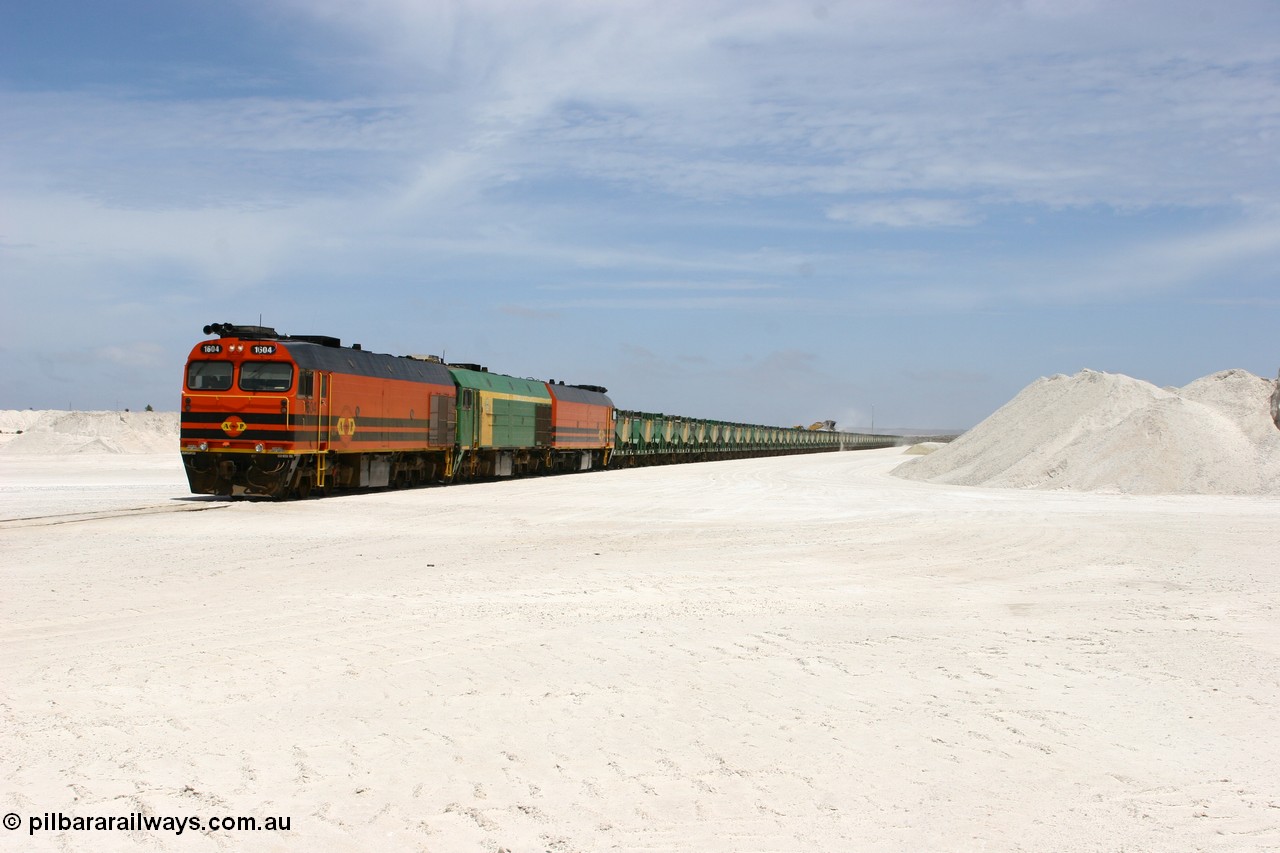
x: 230, y: 330
x: 266, y: 333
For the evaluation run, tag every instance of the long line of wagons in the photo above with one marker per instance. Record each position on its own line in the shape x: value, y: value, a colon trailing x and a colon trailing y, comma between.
x: 272, y: 415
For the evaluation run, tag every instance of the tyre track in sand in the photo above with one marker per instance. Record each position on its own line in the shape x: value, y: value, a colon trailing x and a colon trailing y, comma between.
x: 125, y: 512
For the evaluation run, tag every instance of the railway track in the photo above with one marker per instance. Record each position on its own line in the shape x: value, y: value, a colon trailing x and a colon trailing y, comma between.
x: 99, y: 515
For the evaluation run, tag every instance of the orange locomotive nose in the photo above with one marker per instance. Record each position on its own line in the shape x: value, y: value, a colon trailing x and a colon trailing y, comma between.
x: 233, y: 426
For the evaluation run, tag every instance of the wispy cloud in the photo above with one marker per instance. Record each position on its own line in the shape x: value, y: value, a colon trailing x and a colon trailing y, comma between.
x: 666, y: 285
x: 132, y: 355
x: 82, y: 238
x: 707, y: 100
x: 906, y: 213
x: 764, y: 166
x: 526, y: 313
x: 1163, y: 265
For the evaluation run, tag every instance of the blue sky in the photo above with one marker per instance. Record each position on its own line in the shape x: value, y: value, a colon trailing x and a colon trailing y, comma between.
x: 776, y: 212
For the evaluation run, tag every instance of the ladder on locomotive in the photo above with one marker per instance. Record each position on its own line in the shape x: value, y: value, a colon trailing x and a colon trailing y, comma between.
x: 324, y: 425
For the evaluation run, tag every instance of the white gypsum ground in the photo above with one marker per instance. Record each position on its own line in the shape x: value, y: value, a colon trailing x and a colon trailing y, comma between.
x: 796, y: 653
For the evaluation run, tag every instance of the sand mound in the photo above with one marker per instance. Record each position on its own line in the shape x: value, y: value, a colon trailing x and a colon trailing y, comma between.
x: 56, y: 432
x: 924, y: 448
x: 15, y: 421
x: 1107, y: 432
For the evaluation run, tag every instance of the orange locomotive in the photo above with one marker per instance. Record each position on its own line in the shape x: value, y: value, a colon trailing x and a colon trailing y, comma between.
x: 281, y: 415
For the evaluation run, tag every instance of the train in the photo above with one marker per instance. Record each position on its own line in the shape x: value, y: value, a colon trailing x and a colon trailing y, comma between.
x: 270, y: 415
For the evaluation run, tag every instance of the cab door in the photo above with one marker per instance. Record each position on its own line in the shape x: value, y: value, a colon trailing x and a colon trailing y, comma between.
x: 311, y: 415
x: 324, y: 411
x: 468, y: 418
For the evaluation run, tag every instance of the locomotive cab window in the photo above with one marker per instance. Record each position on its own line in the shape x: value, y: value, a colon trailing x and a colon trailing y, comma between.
x: 266, y: 376
x: 209, y: 375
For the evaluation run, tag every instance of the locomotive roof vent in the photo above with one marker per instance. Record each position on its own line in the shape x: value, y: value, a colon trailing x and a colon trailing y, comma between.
x: 469, y: 366
x: 322, y: 340
x: 599, y: 389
